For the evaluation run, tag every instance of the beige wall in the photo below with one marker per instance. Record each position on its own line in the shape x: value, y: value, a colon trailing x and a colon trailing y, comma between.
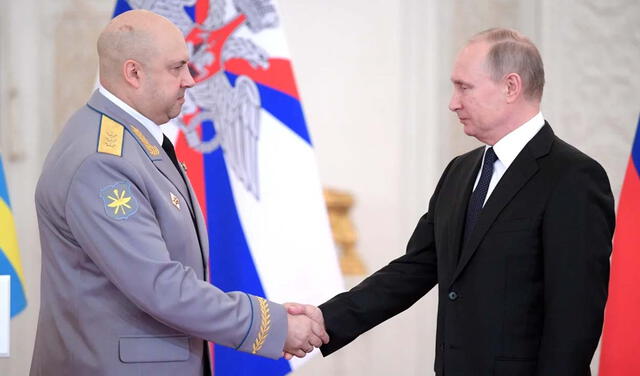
x: 373, y: 75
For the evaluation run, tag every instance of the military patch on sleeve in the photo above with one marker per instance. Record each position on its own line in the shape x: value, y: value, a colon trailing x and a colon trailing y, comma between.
x: 119, y: 202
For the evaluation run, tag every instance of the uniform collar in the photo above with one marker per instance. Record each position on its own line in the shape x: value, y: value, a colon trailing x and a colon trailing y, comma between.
x: 152, y: 127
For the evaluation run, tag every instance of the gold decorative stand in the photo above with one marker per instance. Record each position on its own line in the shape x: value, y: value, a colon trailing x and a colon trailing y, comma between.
x: 344, y: 234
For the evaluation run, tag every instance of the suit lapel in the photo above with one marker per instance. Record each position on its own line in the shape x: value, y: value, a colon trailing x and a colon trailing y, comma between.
x: 460, y: 201
x: 521, y: 170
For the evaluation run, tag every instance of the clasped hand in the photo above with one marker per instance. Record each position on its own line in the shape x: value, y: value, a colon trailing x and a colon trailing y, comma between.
x: 305, y: 331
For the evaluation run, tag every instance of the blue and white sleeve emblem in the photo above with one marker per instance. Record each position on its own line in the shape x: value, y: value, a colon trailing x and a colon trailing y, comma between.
x: 119, y: 201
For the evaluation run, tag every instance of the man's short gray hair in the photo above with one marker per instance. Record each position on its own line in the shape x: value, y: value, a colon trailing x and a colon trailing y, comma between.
x: 512, y: 52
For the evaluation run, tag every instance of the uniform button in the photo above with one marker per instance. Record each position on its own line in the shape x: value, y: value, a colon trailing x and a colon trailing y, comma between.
x: 453, y: 295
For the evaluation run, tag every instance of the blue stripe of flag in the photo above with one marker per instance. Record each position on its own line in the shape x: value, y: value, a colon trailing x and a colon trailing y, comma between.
x: 18, y: 298
x: 4, y: 194
x: 635, y: 150
x: 232, y: 266
x: 121, y: 7
x: 191, y: 11
x: 284, y: 107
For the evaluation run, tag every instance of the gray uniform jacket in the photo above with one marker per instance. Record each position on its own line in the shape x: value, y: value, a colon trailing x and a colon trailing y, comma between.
x: 124, y: 286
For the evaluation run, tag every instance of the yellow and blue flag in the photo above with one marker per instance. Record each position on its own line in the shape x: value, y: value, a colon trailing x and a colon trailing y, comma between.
x: 9, y: 255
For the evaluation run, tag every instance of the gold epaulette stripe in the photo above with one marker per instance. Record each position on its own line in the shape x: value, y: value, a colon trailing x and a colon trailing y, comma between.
x: 265, y: 325
x: 111, y: 136
x: 147, y: 145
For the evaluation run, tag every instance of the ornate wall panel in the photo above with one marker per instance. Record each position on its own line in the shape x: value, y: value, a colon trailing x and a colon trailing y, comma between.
x: 76, y: 69
x: 591, y: 51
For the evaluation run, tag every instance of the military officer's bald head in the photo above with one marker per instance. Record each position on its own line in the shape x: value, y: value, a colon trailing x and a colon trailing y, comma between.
x: 143, y: 61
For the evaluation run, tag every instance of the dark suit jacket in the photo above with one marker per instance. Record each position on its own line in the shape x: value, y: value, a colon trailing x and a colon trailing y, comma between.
x: 527, y: 295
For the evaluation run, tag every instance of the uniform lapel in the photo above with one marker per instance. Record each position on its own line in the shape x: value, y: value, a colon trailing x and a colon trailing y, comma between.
x: 521, y: 170
x: 167, y: 168
x: 181, y: 181
x: 192, y: 203
x: 200, y: 224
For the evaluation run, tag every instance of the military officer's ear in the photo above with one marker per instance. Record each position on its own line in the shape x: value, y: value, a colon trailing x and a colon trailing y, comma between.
x: 132, y: 73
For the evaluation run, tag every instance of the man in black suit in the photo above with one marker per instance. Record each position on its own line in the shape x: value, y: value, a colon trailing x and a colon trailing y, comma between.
x: 517, y: 235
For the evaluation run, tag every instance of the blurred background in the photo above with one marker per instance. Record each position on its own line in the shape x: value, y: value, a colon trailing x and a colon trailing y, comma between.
x: 373, y: 76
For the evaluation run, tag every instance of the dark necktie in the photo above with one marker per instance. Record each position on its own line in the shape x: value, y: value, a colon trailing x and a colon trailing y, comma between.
x: 171, y: 152
x: 480, y: 193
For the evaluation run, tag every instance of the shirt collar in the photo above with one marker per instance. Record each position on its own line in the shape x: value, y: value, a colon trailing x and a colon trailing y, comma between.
x: 509, y: 146
x: 152, y: 127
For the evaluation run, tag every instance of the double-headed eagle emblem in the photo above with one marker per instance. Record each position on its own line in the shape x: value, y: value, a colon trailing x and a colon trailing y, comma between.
x: 231, y: 105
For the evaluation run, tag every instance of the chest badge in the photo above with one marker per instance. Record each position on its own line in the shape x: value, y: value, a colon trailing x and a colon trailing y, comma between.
x: 175, y: 200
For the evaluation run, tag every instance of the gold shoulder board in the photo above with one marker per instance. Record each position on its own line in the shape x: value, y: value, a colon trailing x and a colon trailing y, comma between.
x: 111, y: 135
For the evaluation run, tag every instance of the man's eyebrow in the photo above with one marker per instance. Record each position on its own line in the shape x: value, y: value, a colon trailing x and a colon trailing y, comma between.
x: 457, y: 81
x: 180, y: 62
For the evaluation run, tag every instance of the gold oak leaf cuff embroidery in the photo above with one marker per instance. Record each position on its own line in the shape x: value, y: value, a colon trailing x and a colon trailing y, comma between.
x: 265, y: 325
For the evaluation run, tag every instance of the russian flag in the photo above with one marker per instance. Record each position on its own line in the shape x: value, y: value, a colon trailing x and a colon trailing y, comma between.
x: 9, y: 255
x: 621, y: 336
x: 249, y: 155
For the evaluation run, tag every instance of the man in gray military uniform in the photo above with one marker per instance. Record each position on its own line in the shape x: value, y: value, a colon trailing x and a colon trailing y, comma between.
x: 124, y: 243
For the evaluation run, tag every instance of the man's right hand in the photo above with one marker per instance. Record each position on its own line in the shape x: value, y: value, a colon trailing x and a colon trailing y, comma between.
x: 306, y: 330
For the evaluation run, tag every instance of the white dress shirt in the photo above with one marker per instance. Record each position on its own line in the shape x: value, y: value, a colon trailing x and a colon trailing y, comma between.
x: 152, y: 127
x: 508, y: 148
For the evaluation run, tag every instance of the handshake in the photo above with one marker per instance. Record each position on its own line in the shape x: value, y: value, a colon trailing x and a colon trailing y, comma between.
x: 305, y: 330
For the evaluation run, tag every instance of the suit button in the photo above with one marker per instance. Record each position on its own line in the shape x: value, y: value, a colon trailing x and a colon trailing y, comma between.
x: 453, y: 295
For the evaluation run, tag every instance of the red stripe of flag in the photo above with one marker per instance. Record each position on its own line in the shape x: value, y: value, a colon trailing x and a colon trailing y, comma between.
x: 278, y: 76
x: 201, y: 11
x: 621, y: 336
